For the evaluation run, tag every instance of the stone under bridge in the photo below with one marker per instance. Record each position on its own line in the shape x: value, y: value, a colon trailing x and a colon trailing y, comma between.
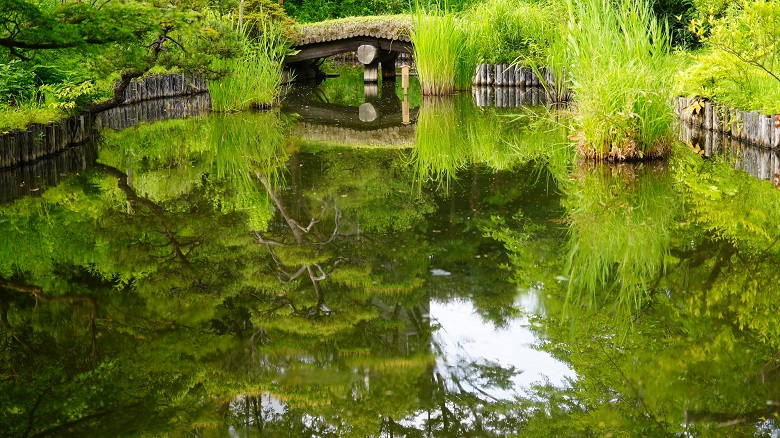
x: 377, y: 41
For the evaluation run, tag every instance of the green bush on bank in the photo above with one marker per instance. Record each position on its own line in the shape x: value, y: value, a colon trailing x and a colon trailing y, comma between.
x: 83, y: 59
x: 505, y: 31
x: 740, y: 64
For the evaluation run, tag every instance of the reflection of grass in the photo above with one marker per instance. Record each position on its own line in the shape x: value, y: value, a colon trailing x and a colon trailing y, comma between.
x: 245, y: 147
x: 347, y: 89
x: 619, y: 224
x: 440, y: 150
x: 452, y: 134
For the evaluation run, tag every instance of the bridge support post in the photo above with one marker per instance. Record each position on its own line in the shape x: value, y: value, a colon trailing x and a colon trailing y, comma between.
x: 388, y: 67
x: 368, y: 55
x: 371, y: 73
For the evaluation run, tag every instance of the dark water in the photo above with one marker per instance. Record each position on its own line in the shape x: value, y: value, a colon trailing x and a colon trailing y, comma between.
x: 457, y: 273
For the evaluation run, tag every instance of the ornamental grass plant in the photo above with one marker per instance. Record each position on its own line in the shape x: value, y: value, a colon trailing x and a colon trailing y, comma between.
x: 440, y: 43
x: 253, y: 79
x: 620, y: 79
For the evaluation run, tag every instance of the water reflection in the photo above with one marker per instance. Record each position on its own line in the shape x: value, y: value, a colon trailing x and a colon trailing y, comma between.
x: 760, y: 162
x: 222, y: 277
x: 661, y: 300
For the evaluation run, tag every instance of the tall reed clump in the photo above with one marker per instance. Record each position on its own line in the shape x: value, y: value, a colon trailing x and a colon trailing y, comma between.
x: 253, y: 79
x: 440, y: 51
x: 619, y: 62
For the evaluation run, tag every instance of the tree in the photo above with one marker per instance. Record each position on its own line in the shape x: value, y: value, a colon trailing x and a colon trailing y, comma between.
x: 112, y: 38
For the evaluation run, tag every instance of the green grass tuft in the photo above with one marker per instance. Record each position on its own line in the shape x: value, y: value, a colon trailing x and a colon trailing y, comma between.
x: 253, y: 80
x: 439, y: 42
x: 621, y: 81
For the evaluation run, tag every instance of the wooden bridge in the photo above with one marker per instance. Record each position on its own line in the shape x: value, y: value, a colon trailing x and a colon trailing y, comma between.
x: 377, y: 41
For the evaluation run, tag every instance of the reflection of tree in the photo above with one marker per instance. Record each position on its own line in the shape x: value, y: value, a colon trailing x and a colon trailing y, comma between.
x: 696, y: 352
x: 224, y: 298
x: 299, y: 232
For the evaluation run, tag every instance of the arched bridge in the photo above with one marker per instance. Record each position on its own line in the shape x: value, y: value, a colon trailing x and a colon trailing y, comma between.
x: 377, y: 40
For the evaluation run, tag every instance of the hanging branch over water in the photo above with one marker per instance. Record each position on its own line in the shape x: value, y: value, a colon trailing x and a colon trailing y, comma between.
x: 128, y: 75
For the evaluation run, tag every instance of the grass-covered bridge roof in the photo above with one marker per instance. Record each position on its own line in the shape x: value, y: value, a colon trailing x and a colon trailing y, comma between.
x: 391, y: 27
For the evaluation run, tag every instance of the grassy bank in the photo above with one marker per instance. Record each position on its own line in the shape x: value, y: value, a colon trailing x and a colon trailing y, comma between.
x: 66, y: 77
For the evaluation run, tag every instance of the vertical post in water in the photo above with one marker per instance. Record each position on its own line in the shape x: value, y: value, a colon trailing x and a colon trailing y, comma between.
x: 388, y: 68
x: 405, y: 79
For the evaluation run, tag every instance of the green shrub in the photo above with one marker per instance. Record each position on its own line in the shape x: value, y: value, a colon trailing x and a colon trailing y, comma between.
x: 740, y: 65
x: 259, y: 13
x: 16, y: 83
x: 69, y: 96
x: 509, y: 30
x: 621, y: 80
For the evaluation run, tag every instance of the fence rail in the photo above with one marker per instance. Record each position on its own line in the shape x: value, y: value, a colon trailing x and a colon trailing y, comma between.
x: 752, y: 127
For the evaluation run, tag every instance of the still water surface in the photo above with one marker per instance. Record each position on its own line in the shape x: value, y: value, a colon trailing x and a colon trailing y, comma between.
x: 336, y: 270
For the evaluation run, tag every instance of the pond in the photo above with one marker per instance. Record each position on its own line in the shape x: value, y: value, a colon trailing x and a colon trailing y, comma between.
x: 360, y: 263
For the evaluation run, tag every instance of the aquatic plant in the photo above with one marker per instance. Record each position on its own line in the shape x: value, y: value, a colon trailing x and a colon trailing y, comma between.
x: 620, y: 77
x: 439, y: 43
x: 254, y: 79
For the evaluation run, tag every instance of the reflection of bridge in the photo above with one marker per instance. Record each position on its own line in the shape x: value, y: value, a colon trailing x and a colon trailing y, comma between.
x: 383, y: 120
x: 377, y: 40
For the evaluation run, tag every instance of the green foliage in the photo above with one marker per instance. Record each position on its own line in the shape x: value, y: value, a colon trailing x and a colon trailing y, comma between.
x: 16, y: 83
x: 729, y: 204
x: 678, y: 15
x: 253, y: 79
x: 619, y: 69
x: 703, y: 273
x: 740, y: 64
x: 85, y: 47
x: 69, y: 96
x: 307, y: 11
x: 259, y: 15
x: 506, y: 31
x: 440, y: 42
